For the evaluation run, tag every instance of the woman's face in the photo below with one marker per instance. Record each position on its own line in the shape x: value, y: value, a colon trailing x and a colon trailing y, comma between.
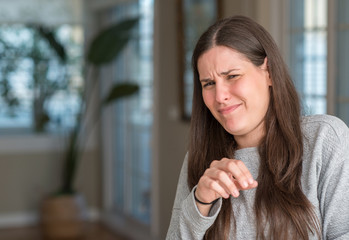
x: 236, y: 92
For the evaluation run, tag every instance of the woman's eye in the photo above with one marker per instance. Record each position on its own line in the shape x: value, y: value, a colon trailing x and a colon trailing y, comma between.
x: 232, y: 76
x: 208, y: 84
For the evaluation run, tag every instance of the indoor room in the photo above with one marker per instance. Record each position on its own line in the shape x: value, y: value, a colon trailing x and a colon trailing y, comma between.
x: 96, y: 104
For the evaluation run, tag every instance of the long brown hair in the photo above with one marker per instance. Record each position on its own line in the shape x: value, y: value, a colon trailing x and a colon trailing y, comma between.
x: 280, y: 202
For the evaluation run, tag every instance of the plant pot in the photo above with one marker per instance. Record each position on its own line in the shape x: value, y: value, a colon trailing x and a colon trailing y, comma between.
x: 63, y: 217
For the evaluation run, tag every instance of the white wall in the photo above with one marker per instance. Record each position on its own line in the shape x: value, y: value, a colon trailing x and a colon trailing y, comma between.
x: 170, y: 132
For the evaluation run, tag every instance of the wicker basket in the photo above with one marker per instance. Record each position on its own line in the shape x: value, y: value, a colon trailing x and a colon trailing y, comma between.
x: 63, y: 217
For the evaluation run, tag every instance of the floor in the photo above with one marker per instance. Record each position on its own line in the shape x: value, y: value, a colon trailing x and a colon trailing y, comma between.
x: 94, y: 231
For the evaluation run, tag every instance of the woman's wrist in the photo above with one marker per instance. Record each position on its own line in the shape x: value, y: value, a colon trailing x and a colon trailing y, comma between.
x: 204, y: 203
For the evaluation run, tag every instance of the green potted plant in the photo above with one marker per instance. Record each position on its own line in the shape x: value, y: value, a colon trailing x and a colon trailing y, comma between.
x: 62, y: 212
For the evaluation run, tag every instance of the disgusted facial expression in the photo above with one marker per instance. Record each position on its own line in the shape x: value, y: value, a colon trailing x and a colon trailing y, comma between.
x: 236, y: 92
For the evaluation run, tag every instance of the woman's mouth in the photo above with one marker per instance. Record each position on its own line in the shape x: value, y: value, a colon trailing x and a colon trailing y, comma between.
x: 227, y: 110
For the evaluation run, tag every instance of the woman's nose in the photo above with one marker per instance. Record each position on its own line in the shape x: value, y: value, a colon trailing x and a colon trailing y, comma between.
x: 222, y: 92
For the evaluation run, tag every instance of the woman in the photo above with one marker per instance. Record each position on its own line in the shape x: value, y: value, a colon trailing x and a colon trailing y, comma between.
x: 257, y: 169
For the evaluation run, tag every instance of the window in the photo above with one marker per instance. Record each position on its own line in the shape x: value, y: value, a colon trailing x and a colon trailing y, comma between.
x: 308, y: 54
x: 39, y: 85
x: 319, y: 33
x: 130, y: 152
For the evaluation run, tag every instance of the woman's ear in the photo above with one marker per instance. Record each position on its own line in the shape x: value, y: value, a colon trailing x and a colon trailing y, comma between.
x: 266, y: 68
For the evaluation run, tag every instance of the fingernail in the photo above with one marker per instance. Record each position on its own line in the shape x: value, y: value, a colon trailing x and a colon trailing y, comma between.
x: 236, y: 193
x: 245, y: 184
x: 250, y: 181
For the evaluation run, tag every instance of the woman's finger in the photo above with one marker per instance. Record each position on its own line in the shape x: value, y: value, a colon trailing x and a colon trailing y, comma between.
x: 239, y: 171
x: 209, y: 189
x: 225, y: 180
x: 250, y: 186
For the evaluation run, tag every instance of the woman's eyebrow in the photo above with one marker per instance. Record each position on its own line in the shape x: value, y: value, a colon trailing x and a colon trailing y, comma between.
x: 222, y: 73
x: 229, y: 71
x: 205, y: 80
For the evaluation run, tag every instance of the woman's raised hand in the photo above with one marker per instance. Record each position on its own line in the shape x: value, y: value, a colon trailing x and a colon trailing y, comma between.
x: 222, y: 179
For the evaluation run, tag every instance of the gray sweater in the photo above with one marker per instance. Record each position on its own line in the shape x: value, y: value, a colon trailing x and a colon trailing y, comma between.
x: 325, y: 182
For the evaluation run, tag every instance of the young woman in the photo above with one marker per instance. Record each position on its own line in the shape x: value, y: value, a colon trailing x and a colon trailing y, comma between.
x: 256, y: 168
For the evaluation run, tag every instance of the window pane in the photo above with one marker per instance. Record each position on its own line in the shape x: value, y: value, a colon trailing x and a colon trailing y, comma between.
x: 39, y: 89
x: 308, y: 53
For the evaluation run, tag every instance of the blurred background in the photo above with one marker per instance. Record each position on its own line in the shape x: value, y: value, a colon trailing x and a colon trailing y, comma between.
x: 120, y: 161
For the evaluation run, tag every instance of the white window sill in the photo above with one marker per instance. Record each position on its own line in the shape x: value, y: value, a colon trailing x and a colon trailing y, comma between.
x: 28, y: 142
x: 31, y: 143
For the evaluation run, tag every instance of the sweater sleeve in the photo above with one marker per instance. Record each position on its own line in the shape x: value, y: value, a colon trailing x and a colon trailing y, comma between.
x: 186, y: 221
x: 333, y: 185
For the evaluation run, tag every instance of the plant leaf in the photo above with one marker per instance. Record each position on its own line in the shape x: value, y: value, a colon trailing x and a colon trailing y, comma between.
x: 108, y: 43
x: 70, y: 162
x: 49, y: 35
x: 120, y: 90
